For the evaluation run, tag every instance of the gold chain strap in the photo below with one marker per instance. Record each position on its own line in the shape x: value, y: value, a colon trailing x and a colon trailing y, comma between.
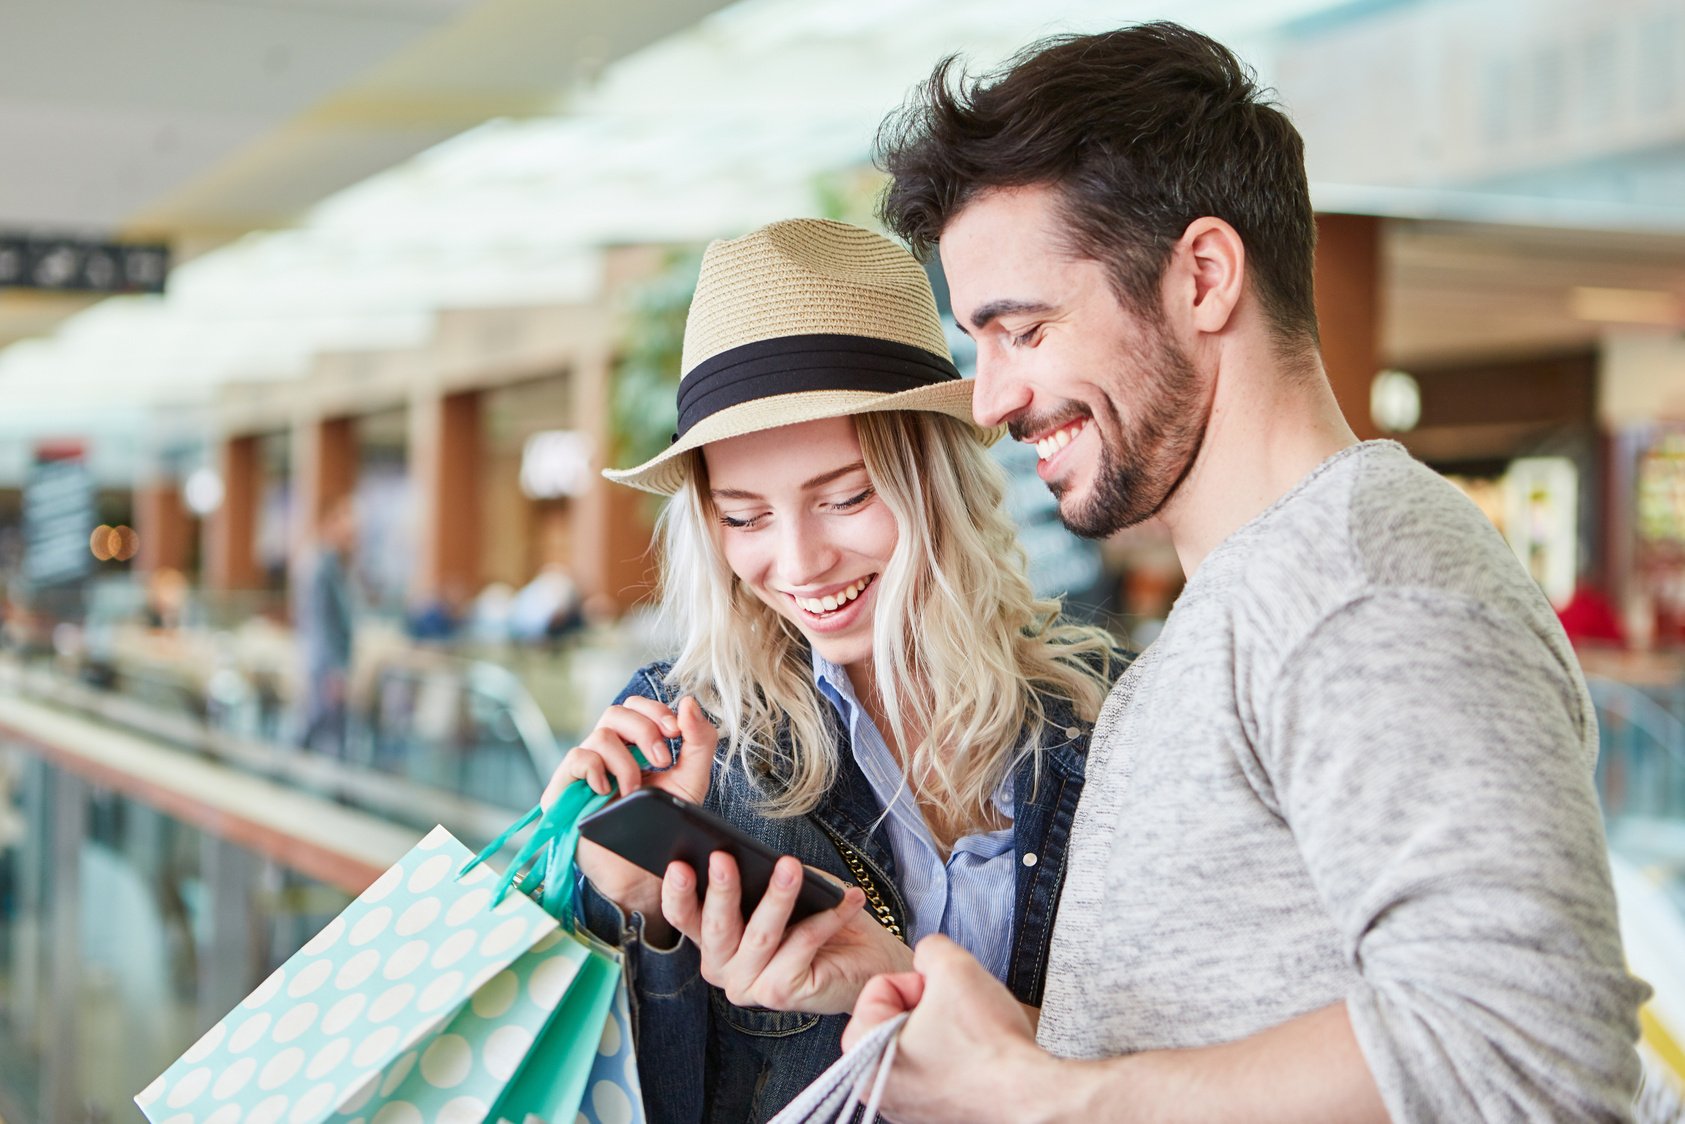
x: 857, y: 867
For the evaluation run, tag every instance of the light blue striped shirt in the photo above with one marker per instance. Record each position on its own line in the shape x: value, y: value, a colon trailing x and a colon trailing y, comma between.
x: 970, y: 897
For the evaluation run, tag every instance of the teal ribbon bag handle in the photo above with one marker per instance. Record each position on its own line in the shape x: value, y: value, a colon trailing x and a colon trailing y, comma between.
x: 551, y: 848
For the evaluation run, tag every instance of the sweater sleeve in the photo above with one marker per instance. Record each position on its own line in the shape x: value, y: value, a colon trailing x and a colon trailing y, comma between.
x: 1433, y: 760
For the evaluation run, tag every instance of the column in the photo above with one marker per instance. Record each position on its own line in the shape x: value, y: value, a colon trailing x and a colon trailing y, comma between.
x: 164, y: 527
x: 612, y: 525
x: 324, y: 465
x: 231, y: 530
x: 445, y: 454
x: 1348, y: 310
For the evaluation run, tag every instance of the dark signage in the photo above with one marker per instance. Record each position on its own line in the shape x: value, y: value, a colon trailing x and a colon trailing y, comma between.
x: 80, y: 265
x: 58, y: 514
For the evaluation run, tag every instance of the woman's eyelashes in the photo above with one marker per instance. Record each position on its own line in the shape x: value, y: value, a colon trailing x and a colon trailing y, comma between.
x: 744, y: 522
x: 853, y: 502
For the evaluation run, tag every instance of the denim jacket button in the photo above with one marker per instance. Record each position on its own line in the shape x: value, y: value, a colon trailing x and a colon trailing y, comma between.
x: 1029, y: 858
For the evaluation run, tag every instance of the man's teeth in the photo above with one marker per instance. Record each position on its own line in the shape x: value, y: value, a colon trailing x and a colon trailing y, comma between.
x: 1058, y: 439
x: 831, y: 602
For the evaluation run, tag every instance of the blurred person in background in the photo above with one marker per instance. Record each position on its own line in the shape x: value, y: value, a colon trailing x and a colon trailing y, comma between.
x: 865, y: 679
x: 166, y: 597
x: 546, y: 608
x: 1339, y: 855
x: 324, y: 620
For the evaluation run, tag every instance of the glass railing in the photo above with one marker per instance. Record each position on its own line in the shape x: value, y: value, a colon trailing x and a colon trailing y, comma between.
x: 1641, y: 773
x: 133, y: 914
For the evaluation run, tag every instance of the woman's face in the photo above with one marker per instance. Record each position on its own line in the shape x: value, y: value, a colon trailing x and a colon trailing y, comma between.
x: 803, y: 528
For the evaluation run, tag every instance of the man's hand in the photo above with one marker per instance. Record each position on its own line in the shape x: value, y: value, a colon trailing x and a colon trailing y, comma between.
x: 817, y: 965
x: 967, y: 1055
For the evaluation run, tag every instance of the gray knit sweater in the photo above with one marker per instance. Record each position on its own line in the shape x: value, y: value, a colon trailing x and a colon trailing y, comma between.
x: 1356, y: 765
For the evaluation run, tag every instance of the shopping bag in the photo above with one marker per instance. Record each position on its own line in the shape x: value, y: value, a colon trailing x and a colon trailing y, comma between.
x: 856, y: 1077
x: 613, y: 1093
x: 459, y: 1073
x: 361, y: 1000
x: 452, y: 999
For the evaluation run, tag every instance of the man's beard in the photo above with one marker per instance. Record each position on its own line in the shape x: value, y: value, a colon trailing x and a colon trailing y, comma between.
x: 1139, y: 469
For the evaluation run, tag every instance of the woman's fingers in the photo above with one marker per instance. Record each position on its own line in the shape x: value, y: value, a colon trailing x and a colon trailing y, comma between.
x: 635, y: 727
x: 611, y: 754
x: 690, y: 777
x: 695, y: 727
x: 791, y: 969
x: 764, y: 930
x: 666, y: 723
x: 722, y: 916
x: 679, y: 902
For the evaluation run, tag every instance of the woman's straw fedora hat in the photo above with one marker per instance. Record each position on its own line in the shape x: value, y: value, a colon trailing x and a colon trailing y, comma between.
x: 800, y: 320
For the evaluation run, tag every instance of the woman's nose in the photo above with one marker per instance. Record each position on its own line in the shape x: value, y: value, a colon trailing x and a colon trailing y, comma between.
x: 804, y: 555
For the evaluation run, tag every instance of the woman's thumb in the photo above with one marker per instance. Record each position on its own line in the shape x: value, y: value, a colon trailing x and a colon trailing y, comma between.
x: 696, y: 751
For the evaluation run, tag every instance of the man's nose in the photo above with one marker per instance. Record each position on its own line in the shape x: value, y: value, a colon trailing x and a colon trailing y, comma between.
x: 998, y: 396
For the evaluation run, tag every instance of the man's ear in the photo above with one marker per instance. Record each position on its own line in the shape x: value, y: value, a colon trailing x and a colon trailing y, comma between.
x: 1209, y: 266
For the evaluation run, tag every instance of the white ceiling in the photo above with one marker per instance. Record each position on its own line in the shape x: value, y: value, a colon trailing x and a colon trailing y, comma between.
x: 118, y: 114
x: 198, y: 120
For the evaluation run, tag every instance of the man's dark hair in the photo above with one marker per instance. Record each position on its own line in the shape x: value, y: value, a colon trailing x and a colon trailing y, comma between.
x: 1141, y: 131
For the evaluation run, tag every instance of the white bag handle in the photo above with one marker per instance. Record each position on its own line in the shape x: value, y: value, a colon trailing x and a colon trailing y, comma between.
x: 859, y: 1075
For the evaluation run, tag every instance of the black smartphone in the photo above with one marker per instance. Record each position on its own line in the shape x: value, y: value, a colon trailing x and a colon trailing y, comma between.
x: 653, y: 828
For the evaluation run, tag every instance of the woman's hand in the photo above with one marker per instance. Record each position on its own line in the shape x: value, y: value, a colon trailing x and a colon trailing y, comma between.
x: 606, y: 753
x: 817, y: 965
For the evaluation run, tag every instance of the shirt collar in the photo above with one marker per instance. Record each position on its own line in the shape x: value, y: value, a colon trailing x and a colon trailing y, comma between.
x: 833, y: 682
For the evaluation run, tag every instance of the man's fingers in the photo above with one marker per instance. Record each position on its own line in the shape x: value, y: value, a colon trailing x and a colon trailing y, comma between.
x: 937, y: 955
x: 880, y: 1000
x: 949, y: 969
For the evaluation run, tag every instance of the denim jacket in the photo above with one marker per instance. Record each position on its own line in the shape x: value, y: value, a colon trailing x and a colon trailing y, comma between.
x: 704, y: 1060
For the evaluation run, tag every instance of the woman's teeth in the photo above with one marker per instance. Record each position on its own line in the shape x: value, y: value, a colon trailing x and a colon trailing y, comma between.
x: 831, y: 602
x: 1058, y: 439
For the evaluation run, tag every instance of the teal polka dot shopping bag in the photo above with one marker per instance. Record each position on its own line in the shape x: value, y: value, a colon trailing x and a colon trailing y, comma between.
x: 438, y: 995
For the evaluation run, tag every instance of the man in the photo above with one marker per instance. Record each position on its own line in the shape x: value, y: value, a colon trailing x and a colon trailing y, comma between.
x: 1339, y: 856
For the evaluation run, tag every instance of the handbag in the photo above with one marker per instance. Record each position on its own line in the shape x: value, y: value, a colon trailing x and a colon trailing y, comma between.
x: 430, y: 997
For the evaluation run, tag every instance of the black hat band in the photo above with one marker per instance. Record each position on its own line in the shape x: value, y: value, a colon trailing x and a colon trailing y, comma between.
x: 794, y: 364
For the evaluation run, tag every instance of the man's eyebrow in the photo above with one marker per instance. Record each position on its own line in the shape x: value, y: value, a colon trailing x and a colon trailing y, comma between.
x: 994, y: 310
x: 819, y: 481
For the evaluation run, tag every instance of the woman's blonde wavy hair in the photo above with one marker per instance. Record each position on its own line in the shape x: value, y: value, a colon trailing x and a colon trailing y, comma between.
x: 963, y: 651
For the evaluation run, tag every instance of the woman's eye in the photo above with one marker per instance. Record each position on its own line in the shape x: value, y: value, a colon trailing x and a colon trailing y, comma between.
x: 743, y: 523
x: 855, y: 501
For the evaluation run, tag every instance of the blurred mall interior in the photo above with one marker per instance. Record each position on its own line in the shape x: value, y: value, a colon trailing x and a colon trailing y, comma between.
x: 257, y: 256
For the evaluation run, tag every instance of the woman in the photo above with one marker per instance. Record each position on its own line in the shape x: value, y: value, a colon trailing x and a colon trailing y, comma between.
x: 893, y: 705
